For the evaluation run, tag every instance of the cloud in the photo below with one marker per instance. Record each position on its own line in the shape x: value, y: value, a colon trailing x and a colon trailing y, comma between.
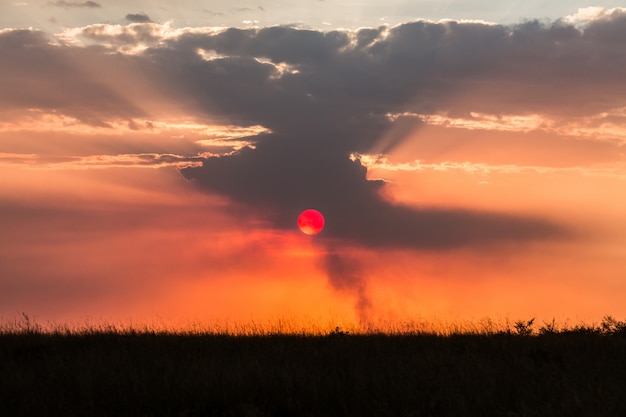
x: 142, y: 160
x: 315, y: 99
x: 327, y: 95
x: 615, y: 170
x: 589, y: 15
x: 212, y: 12
x: 75, y: 4
x: 281, y: 179
x: 336, y: 101
x: 127, y: 39
x: 138, y: 18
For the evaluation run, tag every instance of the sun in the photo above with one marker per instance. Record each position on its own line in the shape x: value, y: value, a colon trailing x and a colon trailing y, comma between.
x: 310, y: 222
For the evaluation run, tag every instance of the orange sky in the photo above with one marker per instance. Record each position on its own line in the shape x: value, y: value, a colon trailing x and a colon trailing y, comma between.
x: 141, y: 244
x: 122, y: 198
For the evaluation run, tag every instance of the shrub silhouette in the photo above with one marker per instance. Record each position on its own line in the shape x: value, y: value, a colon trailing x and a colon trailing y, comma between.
x: 524, y: 328
x: 610, y: 325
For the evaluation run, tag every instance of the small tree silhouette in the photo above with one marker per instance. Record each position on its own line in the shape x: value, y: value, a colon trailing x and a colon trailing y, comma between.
x: 548, y: 327
x: 339, y: 332
x: 610, y: 325
x: 524, y: 328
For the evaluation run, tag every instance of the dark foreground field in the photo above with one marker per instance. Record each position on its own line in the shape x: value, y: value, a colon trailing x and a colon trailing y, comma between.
x: 149, y: 374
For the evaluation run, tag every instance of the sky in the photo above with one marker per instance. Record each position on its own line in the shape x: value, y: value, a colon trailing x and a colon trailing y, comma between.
x: 469, y: 159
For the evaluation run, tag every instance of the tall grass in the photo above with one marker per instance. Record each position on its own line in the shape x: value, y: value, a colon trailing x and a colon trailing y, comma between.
x: 25, y: 324
x: 521, y: 368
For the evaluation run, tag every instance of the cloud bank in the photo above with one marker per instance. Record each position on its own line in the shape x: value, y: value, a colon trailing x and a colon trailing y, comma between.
x: 324, y: 96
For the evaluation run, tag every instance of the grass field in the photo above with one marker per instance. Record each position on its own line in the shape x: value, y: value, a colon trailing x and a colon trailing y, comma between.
x: 519, y: 371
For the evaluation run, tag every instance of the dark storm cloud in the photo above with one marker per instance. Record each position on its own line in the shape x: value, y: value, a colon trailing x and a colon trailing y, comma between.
x: 75, y: 4
x: 421, y: 67
x: 325, y: 95
x: 281, y: 178
x: 138, y: 18
x: 334, y: 95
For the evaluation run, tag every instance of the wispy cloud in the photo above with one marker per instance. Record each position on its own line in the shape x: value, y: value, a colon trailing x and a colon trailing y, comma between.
x: 604, y: 126
x: 152, y: 160
x: 74, y: 4
x: 381, y: 162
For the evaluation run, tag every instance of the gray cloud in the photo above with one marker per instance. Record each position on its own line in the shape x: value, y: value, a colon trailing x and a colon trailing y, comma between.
x: 335, y: 100
x: 325, y: 95
x: 75, y: 4
x: 212, y: 12
x: 284, y: 177
x: 138, y: 18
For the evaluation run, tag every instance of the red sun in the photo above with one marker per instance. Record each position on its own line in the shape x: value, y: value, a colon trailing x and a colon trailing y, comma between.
x: 310, y: 222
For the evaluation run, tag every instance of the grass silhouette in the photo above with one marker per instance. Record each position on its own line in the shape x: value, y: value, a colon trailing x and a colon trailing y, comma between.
x: 513, y: 371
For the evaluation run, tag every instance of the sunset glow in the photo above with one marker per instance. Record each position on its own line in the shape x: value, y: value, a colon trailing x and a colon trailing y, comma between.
x: 153, y: 167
